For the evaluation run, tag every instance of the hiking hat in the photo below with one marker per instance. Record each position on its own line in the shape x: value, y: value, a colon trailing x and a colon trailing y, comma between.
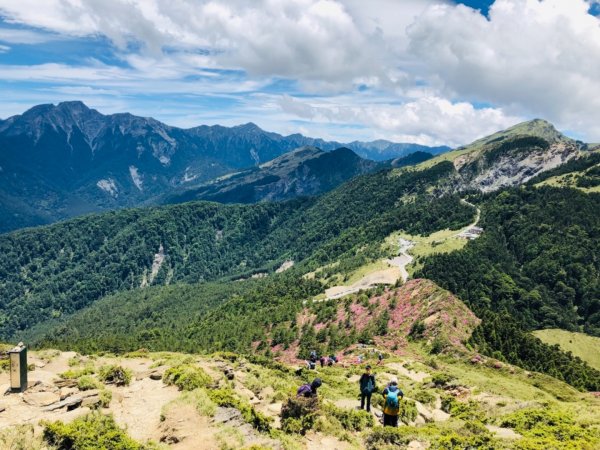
x: 368, y: 366
x: 394, y: 380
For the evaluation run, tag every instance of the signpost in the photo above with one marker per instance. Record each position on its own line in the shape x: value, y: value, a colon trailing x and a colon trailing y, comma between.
x: 18, y: 368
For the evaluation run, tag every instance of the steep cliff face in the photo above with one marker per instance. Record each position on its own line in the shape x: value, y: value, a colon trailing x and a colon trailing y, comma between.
x: 509, y: 158
x: 512, y: 162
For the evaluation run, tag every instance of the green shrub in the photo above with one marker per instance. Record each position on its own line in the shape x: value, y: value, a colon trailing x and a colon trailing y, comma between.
x: 550, y: 428
x: 455, y: 441
x: 298, y: 414
x: 105, y: 398
x: 441, y: 379
x: 227, y: 356
x: 408, y: 411
x: 461, y: 410
x: 4, y: 365
x: 88, y: 382
x: 424, y: 397
x: 187, y: 378
x: 113, y: 374
x: 386, y: 437
x: 226, y: 397
x: 21, y: 437
x: 94, y: 431
x: 73, y: 374
x: 350, y: 419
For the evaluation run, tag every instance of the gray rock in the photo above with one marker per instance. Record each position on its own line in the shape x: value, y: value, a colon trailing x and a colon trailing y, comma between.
x: 70, y: 403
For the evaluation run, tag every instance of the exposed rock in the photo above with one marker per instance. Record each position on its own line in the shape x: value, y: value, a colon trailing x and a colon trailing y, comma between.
x: 424, y: 412
x: 155, y: 376
x: 440, y: 416
x: 2, y: 408
x: 229, y: 416
x: 69, y: 403
x: 40, y: 398
x: 417, y: 445
x: 65, y: 383
x: 503, y: 433
x: 67, y: 392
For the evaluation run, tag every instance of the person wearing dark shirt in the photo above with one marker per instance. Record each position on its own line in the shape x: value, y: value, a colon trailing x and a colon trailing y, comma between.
x: 309, y: 390
x: 367, y: 387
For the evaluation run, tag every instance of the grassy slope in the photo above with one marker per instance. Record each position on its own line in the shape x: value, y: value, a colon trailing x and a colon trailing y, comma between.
x: 568, y: 180
x: 488, y: 395
x: 580, y: 344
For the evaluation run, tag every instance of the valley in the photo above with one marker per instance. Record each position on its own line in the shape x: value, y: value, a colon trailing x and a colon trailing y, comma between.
x: 449, y: 266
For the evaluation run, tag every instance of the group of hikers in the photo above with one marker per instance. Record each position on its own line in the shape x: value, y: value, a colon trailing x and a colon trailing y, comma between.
x: 323, y: 360
x: 392, y: 394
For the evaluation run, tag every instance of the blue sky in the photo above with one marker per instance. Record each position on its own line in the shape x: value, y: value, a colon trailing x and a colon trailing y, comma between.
x: 426, y: 71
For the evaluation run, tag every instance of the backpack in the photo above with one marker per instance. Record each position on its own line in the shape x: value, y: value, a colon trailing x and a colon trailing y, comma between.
x: 370, y: 387
x: 392, y: 404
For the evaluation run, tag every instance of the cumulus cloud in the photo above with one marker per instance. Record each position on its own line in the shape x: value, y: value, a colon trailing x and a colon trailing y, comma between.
x: 314, y: 40
x: 411, y: 69
x: 427, y: 120
x: 532, y: 57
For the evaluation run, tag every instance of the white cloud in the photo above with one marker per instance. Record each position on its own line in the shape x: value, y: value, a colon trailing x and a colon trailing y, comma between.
x: 17, y: 36
x: 539, y: 58
x: 313, y: 40
x: 426, y: 62
x: 4, y: 48
x: 428, y: 120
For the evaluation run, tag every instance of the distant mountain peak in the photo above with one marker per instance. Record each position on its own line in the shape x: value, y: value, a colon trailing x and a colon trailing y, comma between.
x: 249, y: 127
x: 73, y: 105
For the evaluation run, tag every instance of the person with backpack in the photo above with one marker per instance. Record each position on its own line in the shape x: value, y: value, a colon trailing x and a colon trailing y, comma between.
x: 309, y: 390
x: 367, y: 387
x: 391, y: 403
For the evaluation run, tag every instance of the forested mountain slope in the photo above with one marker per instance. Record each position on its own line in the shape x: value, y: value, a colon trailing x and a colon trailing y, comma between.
x: 302, y: 172
x: 66, y: 160
x: 58, y: 269
x: 534, y: 266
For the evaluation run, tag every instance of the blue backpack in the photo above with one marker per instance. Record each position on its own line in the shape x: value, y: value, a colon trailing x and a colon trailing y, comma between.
x: 392, y: 404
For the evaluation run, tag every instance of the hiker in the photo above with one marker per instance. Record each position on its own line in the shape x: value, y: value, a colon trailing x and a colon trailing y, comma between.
x: 391, y: 403
x: 309, y: 390
x: 380, y: 358
x: 367, y: 387
x: 322, y: 361
x: 313, y: 356
x: 311, y: 365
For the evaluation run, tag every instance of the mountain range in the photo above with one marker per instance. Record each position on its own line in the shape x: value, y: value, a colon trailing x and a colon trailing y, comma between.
x: 209, y: 276
x: 66, y: 160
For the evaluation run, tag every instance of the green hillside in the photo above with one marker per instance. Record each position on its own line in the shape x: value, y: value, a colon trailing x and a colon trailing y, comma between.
x: 581, y: 345
x: 204, y: 275
x: 55, y: 270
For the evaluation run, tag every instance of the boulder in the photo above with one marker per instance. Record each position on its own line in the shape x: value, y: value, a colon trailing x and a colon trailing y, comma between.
x: 229, y: 416
x: 67, y: 392
x: 69, y: 403
x: 40, y: 399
